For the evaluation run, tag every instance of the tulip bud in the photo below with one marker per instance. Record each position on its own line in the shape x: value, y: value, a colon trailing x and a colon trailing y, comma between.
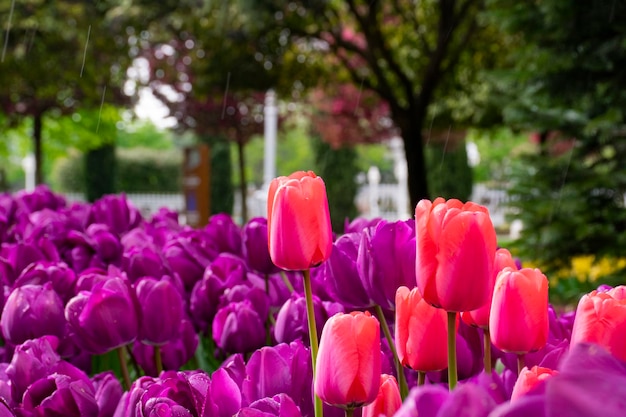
x: 299, y: 230
x: 348, y: 364
x: 255, y: 247
x: 388, y: 400
x: 421, y: 332
x: 601, y: 319
x: 162, y: 310
x: 106, y: 317
x: 519, y: 311
x: 32, y: 311
x: 528, y: 379
x: 456, y: 244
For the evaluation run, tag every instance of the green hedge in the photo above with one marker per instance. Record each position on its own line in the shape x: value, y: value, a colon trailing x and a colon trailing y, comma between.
x: 137, y: 170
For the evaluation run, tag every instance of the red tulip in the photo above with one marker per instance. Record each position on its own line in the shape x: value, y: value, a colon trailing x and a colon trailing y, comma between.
x: 601, y: 319
x: 480, y: 316
x: 298, y: 221
x: 519, y: 311
x: 456, y: 245
x: 348, y: 365
x: 421, y: 332
x: 388, y: 400
x: 529, y: 379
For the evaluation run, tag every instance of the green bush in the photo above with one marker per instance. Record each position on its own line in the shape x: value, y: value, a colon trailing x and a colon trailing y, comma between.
x: 449, y: 174
x: 339, y: 167
x: 99, y: 171
x: 137, y: 170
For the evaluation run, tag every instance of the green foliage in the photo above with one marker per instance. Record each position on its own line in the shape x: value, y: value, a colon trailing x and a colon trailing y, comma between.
x: 449, y: 176
x: 222, y: 189
x: 99, y: 172
x: 137, y: 170
x: 149, y: 170
x: 339, y: 167
x: 569, y: 207
x: 567, y: 82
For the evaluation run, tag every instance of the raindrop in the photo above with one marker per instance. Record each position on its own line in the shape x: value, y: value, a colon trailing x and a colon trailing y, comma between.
x: 187, y: 60
x: 189, y: 43
x: 200, y: 53
x: 76, y: 117
x: 267, y: 65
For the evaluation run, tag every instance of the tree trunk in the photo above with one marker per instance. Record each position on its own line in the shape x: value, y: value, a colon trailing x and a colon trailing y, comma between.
x: 411, y: 131
x: 37, y: 148
x: 243, y: 183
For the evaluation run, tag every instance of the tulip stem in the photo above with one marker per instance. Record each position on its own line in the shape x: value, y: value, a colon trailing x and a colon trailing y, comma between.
x: 349, y: 412
x: 310, y: 313
x: 283, y: 275
x: 125, y: 375
x: 452, y: 375
x: 404, y: 389
x: 158, y: 360
x: 520, y: 363
x: 487, y: 346
x: 421, y: 378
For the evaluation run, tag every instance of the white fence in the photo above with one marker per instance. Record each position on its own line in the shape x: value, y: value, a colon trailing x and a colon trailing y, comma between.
x: 383, y: 203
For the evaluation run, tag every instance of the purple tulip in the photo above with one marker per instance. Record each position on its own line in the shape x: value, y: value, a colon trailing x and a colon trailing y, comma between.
x: 357, y: 225
x: 5, y: 385
x: 180, y: 394
x: 224, y: 233
x: 284, y: 368
x: 255, y: 249
x: 35, y: 359
x: 280, y: 405
x: 14, y: 258
x: 341, y: 276
x: 188, y: 254
x: 38, y: 199
x: 424, y: 401
x: 60, y: 395
x: 162, y: 310
x: 62, y: 278
x: 106, y: 317
x: 224, y: 396
x: 106, y: 243
x: 239, y: 327
x: 32, y: 311
x: 386, y: 260
x: 173, y: 354
x: 46, y: 223
x: 116, y: 212
x: 108, y: 392
x: 225, y: 271
x: 144, y: 261
x: 278, y: 291
x: 291, y: 321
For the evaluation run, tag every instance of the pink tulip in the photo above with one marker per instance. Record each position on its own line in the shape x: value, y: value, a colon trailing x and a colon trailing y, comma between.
x: 480, y: 316
x: 388, y: 400
x: 298, y: 221
x: 421, y: 332
x: 519, y: 311
x: 601, y: 319
x: 529, y: 379
x: 348, y: 365
x: 456, y: 245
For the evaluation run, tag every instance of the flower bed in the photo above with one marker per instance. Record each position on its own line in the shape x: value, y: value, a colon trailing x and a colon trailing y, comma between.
x: 106, y: 313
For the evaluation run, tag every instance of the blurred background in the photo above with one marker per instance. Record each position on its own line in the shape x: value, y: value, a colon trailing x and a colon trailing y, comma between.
x: 196, y: 104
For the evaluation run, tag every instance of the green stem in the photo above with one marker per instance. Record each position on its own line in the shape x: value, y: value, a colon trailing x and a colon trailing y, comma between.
x: 310, y: 313
x: 452, y: 375
x: 421, y: 378
x: 121, y: 356
x: 349, y: 412
x: 404, y: 389
x: 133, y: 361
x: 487, y: 346
x: 283, y: 275
x: 158, y: 360
x: 520, y: 363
